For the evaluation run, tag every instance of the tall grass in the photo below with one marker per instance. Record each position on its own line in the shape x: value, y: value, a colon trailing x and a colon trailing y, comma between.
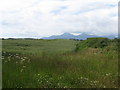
x: 91, y: 68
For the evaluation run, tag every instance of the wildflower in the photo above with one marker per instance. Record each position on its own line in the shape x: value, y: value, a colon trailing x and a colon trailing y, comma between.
x: 2, y: 57
x: 86, y: 78
x: 38, y: 80
x: 6, y: 61
x: 58, y: 84
x: 95, y: 81
x: 17, y: 54
x: 91, y: 84
x: 60, y: 77
x: 107, y: 74
x: 21, y: 70
x: 104, y: 86
x: 9, y: 57
x: 38, y: 74
x: 65, y: 86
x: 25, y: 57
x: 24, y: 66
x: 91, y: 81
x: 22, y: 60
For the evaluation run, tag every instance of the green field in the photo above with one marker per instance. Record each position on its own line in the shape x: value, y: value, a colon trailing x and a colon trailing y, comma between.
x: 59, y: 64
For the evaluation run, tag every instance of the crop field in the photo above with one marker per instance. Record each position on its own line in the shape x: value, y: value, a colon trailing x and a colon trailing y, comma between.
x: 58, y: 64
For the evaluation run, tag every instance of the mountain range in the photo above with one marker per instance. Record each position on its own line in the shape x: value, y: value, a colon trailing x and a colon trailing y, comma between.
x: 82, y: 36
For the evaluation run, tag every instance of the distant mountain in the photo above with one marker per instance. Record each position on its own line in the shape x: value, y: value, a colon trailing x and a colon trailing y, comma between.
x: 63, y: 36
x: 82, y: 36
x: 85, y: 36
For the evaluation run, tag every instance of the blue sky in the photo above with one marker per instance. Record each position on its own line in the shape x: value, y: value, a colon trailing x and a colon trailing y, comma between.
x: 40, y: 18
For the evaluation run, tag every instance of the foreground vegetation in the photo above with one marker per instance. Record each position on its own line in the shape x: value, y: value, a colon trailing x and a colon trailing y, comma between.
x: 58, y: 63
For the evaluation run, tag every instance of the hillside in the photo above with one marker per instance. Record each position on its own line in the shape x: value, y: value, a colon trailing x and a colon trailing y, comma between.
x: 100, y: 43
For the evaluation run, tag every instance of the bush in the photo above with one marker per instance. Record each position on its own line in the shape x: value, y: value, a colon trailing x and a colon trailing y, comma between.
x: 98, y: 42
x: 93, y: 43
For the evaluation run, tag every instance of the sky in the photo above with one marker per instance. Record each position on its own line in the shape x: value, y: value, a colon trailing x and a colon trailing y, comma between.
x: 41, y: 18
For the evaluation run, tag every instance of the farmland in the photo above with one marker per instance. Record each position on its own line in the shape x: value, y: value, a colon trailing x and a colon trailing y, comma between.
x: 59, y: 63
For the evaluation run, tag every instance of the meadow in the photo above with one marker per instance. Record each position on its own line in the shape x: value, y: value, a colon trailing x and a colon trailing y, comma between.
x: 59, y: 63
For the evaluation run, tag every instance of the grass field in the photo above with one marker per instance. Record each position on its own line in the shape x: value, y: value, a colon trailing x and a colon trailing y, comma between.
x: 55, y: 64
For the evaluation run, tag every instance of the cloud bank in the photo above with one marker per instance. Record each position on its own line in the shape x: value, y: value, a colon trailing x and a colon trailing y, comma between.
x: 39, y: 18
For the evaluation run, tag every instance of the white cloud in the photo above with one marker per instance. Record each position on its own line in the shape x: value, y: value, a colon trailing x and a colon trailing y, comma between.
x: 38, y: 18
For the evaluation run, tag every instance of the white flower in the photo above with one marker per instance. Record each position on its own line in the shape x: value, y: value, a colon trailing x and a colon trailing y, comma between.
x: 24, y: 66
x: 38, y: 74
x: 21, y: 70
x: 104, y: 86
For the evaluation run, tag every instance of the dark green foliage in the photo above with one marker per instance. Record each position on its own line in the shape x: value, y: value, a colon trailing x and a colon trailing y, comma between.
x: 97, y: 43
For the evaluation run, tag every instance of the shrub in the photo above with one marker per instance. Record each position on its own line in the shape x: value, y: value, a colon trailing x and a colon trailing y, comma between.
x: 93, y: 43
